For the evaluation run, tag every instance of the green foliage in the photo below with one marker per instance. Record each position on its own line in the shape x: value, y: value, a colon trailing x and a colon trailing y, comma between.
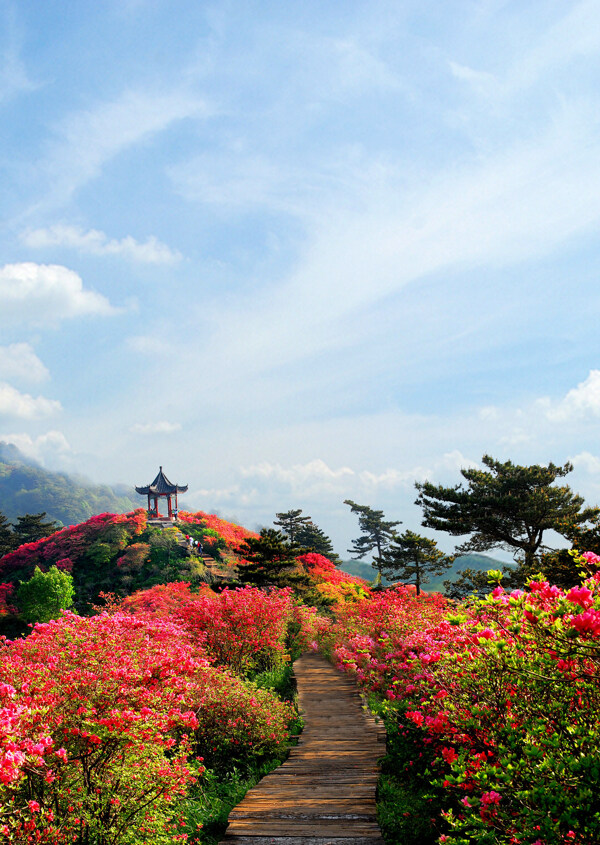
x: 408, y: 805
x: 7, y: 537
x: 32, y: 527
x: 504, y: 506
x: 412, y: 558
x: 291, y: 523
x: 311, y: 537
x: 45, y: 594
x: 377, y: 535
x: 271, y: 560
x: 470, y: 582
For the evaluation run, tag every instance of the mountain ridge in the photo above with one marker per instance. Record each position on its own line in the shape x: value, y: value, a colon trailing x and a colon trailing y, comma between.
x: 27, y: 487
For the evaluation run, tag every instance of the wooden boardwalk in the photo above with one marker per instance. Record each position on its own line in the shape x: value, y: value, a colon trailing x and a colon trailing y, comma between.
x: 324, y: 794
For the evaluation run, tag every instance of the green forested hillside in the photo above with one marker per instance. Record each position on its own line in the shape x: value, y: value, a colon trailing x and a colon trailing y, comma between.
x: 475, y: 561
x: 28, y: 488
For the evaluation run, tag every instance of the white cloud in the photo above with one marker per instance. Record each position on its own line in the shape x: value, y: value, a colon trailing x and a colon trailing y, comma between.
x: 95, y: 242
x: 46, y: 292
x: 587, y: 462
x: 19, y: 361
x: 299, y: 475
x: 22, y: 405
x: 159, y: 427
x: 46, y: 447
x: 580, y: 402
x: 317, y: 476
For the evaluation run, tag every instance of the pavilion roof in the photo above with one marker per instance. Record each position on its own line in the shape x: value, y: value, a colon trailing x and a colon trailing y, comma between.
x: 162, y: 486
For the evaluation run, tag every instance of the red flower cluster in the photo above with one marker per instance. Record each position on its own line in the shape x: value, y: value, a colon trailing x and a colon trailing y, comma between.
x: 503, y: 698
x: 66, y: 546
x: 100, y: 722
x: 233, y: 535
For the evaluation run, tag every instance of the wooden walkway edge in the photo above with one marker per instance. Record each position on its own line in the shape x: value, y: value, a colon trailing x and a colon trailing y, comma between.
x: 324, y: 794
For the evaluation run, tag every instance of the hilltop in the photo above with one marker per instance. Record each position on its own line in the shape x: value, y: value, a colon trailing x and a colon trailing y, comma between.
x: 120, y: 554
x: 26, y: 487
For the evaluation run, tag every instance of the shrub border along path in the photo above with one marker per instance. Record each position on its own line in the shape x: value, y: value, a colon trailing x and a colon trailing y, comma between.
x: 324, y: 794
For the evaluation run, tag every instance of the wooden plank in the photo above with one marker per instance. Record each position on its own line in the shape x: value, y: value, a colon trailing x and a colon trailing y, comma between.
x: 324, y: 794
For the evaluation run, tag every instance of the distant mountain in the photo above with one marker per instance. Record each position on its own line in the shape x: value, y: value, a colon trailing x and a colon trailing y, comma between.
x: 475, y: 561
x: 26, y: 487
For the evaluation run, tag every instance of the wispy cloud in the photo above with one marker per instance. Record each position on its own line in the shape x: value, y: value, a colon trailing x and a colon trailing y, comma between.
x: 95, y: 242
x: 158, y: 427
x: 42, y: 293
x: 575, y: 35
x: 87, y: 140
x: 513, y: 206
x: 14, y: 79
x: 149, y: 345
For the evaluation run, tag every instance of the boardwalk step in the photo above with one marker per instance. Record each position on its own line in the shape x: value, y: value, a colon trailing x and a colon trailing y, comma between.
x: 324, y: 794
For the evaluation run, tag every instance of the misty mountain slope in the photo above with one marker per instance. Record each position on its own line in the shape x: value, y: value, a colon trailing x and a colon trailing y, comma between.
x: 26, y: 487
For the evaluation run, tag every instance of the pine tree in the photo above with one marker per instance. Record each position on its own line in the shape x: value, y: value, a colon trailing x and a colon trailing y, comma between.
x: 32, y: 527
x: 7, y: 537
x: 271, y: 561
x: 291, y: 523
x: 505, y: 506
x: 311, y: 537
x: 412, y: 558
x: 378, y: 534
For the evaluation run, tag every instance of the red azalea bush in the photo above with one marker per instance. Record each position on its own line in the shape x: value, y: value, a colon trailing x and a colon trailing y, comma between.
x: 162, y: 600
x: 95, y: 722
x: 244, y: 628
x: 333, y: 584
x: 501, y: 703
x: 70, y: 543
x: 232, y: 534
x: 238, y: 722
x: 102, y: 720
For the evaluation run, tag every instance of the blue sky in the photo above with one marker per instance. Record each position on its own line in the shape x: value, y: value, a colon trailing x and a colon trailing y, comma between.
x: 298, y: 253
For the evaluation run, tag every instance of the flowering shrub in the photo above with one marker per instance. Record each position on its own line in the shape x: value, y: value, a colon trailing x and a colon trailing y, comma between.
x: 238, y: 722
x: 88, y: 552
x: 233, y: 535
x: 331, y: 583
x: 6, y: 591
x: 91, y: 712
x: 500, y: 703
x: 71, y: 543
x: 244, y: 629
x: 103, y: 722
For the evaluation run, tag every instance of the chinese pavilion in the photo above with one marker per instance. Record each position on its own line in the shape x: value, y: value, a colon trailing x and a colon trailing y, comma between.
x: 161, y: 488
